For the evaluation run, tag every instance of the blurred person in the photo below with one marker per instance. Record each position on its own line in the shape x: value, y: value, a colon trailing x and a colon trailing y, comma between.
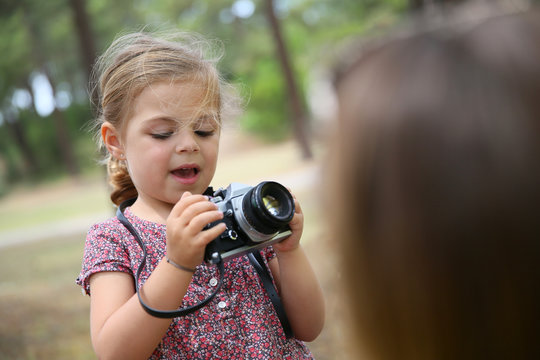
x: 160, y: 107
x: 436, y: 191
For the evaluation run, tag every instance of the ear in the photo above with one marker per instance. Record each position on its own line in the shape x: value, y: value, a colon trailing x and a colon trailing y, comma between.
x: 111, y: 139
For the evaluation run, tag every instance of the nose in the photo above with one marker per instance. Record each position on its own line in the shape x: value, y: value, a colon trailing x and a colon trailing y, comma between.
x: 186, y: 141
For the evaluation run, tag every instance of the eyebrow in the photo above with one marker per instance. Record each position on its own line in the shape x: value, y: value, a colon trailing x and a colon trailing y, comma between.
x: 171, y: 121
x: 161, y: 119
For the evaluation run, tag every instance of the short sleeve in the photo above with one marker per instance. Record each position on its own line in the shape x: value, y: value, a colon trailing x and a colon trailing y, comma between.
x: 104, y: 251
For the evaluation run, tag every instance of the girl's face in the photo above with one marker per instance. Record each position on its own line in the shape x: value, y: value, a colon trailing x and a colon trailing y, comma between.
x: 170, y: 143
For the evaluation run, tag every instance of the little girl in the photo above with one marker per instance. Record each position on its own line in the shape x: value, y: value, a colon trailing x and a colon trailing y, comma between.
x: 160, y: 105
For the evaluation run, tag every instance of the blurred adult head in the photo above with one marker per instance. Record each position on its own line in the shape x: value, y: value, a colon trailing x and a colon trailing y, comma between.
x: 437, y: 178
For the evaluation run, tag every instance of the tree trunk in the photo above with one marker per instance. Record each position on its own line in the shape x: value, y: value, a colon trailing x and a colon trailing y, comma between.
x: 30, y: 163
x: 415, y: 5
x: 84, y: 32
x: 295, y: 99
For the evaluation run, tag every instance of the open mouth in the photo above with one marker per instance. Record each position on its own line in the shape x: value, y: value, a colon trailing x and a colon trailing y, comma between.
x: 186, y: 172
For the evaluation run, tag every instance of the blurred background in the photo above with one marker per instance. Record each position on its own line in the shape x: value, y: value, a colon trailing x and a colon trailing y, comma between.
x: 280, y: 54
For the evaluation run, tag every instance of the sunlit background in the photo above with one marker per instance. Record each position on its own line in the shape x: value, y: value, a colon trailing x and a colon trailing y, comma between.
x: 52, y: 188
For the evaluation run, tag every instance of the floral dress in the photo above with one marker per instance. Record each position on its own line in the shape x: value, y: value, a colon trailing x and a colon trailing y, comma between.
x: 238, y: 323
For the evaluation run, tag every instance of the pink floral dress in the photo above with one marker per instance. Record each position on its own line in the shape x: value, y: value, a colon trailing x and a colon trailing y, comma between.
x: 240, y: 321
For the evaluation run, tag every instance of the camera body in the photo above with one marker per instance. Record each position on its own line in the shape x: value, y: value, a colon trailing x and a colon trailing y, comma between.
x: 255, y: 217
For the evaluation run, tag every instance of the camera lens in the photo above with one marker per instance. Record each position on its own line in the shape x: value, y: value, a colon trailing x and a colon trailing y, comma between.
x: 272, y: 204
x: 268, y: 207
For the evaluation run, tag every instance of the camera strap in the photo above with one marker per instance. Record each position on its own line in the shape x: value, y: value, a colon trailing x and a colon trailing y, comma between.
x: 163, y: 314
x: 255, y: 259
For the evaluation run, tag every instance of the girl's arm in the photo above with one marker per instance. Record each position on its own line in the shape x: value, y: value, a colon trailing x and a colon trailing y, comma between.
x: 120, y: 327
x: 298, y: 286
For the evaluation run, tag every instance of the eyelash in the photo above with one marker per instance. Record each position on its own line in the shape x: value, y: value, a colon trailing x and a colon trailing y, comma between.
x: 162, y: 136
x: 203, y: 134
x: 166, y: 135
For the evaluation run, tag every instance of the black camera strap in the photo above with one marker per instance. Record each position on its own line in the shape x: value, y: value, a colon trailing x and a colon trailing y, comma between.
x: 163, y: 314
x: 255, y: 259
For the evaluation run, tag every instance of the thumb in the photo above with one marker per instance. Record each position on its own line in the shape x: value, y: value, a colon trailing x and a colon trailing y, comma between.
x: 179, y: 207
x: 185, y: 195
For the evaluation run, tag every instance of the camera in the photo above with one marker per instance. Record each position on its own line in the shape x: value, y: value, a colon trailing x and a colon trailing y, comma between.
x: 255, y: 217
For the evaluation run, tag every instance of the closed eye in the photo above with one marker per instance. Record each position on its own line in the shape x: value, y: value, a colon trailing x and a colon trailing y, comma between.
x: 162, y: 136
x: 202, y: 133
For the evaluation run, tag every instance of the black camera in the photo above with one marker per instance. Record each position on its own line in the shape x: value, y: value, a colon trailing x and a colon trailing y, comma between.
x: 255, y: 217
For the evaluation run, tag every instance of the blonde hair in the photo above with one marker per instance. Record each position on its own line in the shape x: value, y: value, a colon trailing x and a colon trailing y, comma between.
x: 137, y: 60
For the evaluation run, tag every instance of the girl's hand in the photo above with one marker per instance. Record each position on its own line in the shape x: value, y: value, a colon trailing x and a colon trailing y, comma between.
x: 186, y: 239
x: 297, y: 226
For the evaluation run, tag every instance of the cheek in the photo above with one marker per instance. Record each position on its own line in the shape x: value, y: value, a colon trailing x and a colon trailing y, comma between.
x: 211, y: 152
x: 145, y: 157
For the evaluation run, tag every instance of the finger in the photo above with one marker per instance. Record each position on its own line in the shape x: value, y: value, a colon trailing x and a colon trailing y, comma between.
x: 181, y: 204
x: 290, y: 191
x: 196, y: 209
x: 210, y: 234
x: 296, y: 204
x: 298, y: 217
x: 296, y: 221
x: 203, y: 219
x: 185, y: 194
x: 185, y: 201
x: 297, y: 207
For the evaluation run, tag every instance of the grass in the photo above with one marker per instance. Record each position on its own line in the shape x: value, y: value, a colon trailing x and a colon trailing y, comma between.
x: 62, y: 200
x: 43, y: 314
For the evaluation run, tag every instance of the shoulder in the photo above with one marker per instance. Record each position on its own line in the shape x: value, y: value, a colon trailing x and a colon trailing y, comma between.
x: 107, y: 235
x: 105, y: 249
x: 110, y: 228
x: 110, y: 223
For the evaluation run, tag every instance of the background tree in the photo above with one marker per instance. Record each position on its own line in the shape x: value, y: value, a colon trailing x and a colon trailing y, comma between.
x: 59, y: 39
x: 39, y: 55
x: 24, y: 162
x: 87, y: 44
x: 298, y: 118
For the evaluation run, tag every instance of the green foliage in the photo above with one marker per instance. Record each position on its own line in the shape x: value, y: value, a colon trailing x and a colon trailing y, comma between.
x: 314, y: 31
x: 267, y: 104
x: 15, y: 64
x: 42, y: 140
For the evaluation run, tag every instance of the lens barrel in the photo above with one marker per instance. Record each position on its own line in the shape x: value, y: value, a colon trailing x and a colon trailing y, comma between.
x: 268, y: 207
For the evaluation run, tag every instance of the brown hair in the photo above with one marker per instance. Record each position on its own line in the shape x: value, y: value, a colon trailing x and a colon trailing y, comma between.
x: 437, y: 180
x: 137, y: 60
